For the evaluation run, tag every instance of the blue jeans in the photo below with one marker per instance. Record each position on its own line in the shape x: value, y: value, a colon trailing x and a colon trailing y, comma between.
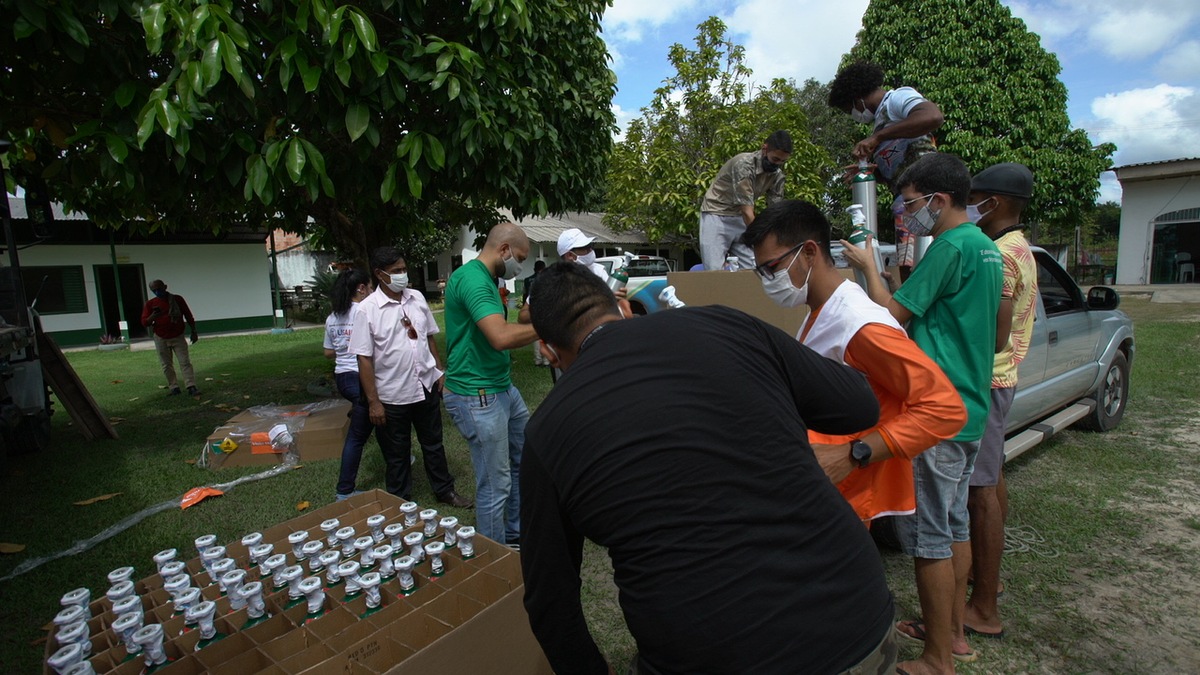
x: 360, y: 430
x: 494, y: 427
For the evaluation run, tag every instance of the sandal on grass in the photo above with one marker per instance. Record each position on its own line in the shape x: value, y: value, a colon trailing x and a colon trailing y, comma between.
x: 914, y: 631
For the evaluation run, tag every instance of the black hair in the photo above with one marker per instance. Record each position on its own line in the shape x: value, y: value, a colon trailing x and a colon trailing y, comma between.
x: 539, y: 265
x: 938, y: 172
x: 781, y: 141
x: 344, y: 287
x: 384, y: 257
x: 854, y: 82
x: 791, y: 221
x: 567, y: 299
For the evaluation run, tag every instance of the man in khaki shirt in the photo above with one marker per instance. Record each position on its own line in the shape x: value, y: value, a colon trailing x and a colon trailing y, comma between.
x: 728, y: 205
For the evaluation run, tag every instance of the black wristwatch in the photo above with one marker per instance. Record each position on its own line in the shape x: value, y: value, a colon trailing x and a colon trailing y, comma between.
x: 860, y: 453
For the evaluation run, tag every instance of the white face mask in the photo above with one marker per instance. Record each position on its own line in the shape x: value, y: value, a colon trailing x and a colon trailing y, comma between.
x: 512, y: 266
x: 864, y: 116
x: 974, y: 214
x: 921, y: 223
x: 397, y: 282
x: 587, y: 259
x: 781, y: 290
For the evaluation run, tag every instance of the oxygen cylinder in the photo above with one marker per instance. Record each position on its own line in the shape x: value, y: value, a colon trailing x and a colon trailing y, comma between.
x: 862, y: 191
x: 858, y: 237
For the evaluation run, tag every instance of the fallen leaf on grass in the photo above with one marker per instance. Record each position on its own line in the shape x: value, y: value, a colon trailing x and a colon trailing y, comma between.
x: 189, y: 461
x: 117, y: 381
x: 299, y: 507
x: 17, y: 548
x: 39, y: 641
x: 93, y: 500
x: 246, y: 396
x: 162, y: 386
x: 208, y: 379
x: 135, y: 398
x: 225, y: 374
x: 115, y: 420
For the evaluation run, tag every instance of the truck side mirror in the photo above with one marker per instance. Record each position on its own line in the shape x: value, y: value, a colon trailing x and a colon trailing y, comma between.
x: 1102, y: 297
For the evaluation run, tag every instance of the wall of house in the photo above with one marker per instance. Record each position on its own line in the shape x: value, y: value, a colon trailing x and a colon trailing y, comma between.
x: 1141, y: 202
x: 227, y: 286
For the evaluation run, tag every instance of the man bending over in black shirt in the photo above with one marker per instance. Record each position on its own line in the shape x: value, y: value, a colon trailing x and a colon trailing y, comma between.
x: 678, y: 441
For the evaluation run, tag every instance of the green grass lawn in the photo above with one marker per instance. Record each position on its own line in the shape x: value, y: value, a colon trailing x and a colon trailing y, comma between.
x: 1073, y: 493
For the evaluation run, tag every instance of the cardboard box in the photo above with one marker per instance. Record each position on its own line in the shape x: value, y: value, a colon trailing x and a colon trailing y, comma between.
x: 471, y: 618
x: 742, y: 290
x: 319, y: 430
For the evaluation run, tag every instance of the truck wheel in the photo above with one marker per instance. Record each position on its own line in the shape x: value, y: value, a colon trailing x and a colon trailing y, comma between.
x: 1111, y: 396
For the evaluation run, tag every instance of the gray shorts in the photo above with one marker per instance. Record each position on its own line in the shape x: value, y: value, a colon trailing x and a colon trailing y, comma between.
x: 991, y: 447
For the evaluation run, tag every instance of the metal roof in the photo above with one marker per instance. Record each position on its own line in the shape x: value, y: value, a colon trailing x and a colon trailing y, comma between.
x: 546, y: 230
x: 1158, y: 163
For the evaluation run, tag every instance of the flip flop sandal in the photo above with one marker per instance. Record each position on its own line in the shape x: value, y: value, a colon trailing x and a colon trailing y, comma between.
x: 918, y: 627
x: 983, y: 634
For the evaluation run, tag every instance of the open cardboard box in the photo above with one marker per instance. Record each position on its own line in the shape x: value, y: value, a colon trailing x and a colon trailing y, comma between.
x: 320, y: 435
x: 471, y: 618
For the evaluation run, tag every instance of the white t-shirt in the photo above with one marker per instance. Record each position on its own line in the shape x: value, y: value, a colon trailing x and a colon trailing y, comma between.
x: 896, y: 106
x: 337, y: 338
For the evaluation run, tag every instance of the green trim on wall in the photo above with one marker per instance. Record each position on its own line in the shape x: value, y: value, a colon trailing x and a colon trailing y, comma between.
x: 91, y: 336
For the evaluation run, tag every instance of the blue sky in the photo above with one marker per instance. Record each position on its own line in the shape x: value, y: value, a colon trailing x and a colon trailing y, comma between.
x: 1132, y: 69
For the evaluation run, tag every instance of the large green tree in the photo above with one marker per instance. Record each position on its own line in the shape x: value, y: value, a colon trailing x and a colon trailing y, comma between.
x: 705, y: 113
x: 999, y: 91
x: 358, y: 120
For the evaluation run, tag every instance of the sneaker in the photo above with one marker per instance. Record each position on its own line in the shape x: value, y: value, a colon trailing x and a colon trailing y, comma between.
x: 339, y: 497
x: 192, y: 391
x: 174, y: 391
x: 454, y: 499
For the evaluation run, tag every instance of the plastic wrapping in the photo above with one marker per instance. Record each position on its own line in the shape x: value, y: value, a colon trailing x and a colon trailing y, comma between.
x: 129, y: 521
x: 270, y: 424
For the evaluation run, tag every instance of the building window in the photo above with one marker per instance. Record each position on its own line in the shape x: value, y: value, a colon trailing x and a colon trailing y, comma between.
x: 432, y: 268
x: 57, y: 290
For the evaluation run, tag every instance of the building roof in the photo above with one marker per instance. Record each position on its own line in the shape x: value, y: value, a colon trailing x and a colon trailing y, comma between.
x: 77, y: 228
x: 547, y: 229
x: 1160, y: 162
x: 16, y: 208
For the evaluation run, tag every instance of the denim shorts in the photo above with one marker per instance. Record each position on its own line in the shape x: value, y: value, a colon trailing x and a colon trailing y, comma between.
x: 941, y: 476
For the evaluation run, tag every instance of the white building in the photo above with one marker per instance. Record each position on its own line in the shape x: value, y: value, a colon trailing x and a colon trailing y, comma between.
x: 73, y: 276
x: 1160, y: 221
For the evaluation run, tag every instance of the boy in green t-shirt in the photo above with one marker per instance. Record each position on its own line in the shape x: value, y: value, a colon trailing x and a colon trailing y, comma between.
x: 480, y: 397
x: 951, y: 303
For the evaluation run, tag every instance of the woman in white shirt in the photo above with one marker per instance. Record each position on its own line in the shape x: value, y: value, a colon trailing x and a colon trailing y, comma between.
x: 349, y: 289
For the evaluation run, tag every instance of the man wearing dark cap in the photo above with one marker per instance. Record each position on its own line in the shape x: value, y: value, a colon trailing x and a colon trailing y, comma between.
x: 999, y: 193
x: 728, y: 205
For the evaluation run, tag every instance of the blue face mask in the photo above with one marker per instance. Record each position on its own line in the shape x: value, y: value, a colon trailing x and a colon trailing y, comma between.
x: 161, y: 293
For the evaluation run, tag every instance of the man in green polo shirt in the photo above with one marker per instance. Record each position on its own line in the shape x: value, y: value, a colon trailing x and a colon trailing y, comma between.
x: 951, y: 302
x: 480, y: 397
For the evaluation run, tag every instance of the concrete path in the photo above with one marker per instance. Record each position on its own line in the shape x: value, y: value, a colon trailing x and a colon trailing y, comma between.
x: 1163, y: 293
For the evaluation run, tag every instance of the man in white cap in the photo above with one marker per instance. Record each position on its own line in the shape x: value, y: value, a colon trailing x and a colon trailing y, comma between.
x: 575, y: 246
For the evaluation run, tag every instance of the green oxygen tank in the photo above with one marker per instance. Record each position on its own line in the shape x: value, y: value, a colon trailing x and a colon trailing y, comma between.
x: 862, y: 191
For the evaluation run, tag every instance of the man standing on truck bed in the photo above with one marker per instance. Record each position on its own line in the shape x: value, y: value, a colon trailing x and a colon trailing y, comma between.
x: 728, y: 206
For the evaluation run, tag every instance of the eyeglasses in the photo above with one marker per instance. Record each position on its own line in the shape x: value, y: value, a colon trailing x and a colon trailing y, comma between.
x: 407, y: 323
x: 767, y: 270
x: 910, y: 202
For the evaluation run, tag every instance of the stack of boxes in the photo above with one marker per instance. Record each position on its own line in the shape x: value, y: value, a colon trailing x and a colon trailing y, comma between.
x: 467, y: 618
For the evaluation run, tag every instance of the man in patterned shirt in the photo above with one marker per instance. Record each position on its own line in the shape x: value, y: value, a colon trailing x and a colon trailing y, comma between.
x: 728, y: 206
x: 998, y: 195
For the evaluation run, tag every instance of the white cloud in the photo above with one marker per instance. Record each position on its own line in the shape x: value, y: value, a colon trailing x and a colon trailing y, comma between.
x: 795, y: 38
x: 1148, y: 125
x: 1121, y: 30
x: 627, y: 20
x: 1181, y: 63
x: 623, y: 116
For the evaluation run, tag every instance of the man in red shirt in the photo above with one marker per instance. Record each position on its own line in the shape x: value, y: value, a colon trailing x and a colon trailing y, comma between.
x: 166, y: 313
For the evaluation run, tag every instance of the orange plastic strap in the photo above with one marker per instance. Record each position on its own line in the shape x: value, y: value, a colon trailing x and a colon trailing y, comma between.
x: 197, y: 495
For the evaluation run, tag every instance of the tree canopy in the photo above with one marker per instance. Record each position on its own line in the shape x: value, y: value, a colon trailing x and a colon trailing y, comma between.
x: 999, y: 91
x: 366, y: 117
x: 705, y: 113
